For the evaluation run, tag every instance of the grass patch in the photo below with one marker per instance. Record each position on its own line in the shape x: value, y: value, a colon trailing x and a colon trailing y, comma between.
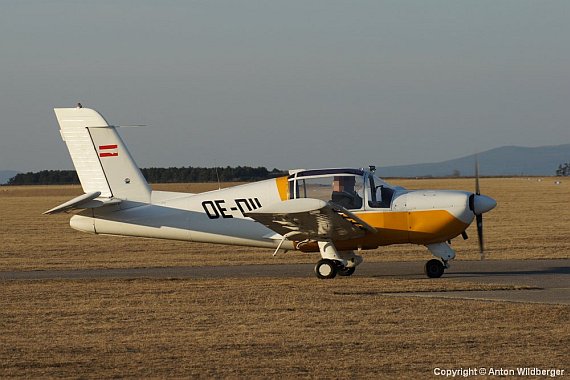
x: 264, y: 327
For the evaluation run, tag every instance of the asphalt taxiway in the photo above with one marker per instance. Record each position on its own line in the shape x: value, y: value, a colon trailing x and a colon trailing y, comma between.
x: 539, y: 281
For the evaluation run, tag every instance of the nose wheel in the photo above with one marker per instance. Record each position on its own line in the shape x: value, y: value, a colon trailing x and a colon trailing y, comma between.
x: 434, y: 268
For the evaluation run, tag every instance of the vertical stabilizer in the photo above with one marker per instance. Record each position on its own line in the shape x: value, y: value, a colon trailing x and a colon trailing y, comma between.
x: 100, y: 157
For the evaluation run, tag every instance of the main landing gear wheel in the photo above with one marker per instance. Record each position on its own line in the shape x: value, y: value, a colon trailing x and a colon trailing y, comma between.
x: 345, y: 271
x: 325, y: 269
x: 434, y: 268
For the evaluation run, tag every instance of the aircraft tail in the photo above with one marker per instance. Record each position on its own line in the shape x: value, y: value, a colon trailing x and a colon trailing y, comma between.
x: 100, y: 157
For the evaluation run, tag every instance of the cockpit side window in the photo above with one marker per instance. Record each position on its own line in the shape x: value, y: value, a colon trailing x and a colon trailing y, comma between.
x: 380, y: 195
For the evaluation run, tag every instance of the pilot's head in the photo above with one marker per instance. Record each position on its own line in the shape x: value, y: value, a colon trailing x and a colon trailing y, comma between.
x: 341, y: 183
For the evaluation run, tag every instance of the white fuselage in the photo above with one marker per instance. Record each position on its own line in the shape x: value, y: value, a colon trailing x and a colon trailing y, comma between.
x: 214, y: 216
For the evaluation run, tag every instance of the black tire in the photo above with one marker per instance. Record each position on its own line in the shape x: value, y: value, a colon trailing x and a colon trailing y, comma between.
x: 326, y: 269
x: 434, y: 268
x: 345, y: 271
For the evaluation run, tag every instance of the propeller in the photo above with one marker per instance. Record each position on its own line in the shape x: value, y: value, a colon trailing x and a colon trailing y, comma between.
x: 480, y: 204
x: 479, y: 217
x: 477, y: 190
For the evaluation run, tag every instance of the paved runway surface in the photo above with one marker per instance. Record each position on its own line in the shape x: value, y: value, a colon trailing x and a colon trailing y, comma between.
x: 550, y: 279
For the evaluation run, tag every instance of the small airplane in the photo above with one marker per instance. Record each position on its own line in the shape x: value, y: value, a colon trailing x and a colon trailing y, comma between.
x: 331, y: 211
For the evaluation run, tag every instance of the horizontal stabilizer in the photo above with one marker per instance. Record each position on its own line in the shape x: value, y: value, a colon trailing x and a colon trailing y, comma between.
x: 82, y: 202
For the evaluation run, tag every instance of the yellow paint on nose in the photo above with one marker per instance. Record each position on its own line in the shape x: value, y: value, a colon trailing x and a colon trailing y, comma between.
x: 433, y: 226
x: 419, y: 227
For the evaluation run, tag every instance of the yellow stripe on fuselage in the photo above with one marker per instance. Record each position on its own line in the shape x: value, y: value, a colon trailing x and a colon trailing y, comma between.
x: 417, y: 227
x: 282, y: 187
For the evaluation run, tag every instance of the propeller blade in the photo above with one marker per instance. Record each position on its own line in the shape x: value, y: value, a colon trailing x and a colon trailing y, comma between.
x: 480, y: 204
x: 479, y: 218
x: 477, y: 190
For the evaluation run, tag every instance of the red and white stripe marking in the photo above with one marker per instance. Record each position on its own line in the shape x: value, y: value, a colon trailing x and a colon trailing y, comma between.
x: 108, y: 150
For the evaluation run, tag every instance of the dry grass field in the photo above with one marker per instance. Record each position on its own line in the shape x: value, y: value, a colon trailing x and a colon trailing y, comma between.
x: 267, y: 327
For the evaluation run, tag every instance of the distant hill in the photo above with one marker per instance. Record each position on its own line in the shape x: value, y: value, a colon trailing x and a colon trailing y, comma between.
x: 5, y: 175
x: 503, y: 161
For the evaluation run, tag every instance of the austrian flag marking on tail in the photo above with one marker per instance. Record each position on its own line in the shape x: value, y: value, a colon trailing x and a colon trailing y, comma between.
x: 108, y: 150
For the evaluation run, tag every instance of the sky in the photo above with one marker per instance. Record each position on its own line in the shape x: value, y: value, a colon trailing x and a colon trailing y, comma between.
x: 285, y: 84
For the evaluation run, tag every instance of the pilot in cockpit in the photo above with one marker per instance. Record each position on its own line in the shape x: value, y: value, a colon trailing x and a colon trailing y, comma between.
x: 344, y: 193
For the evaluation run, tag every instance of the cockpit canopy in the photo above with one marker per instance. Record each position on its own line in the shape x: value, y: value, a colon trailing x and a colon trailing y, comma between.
x: 353, y: 189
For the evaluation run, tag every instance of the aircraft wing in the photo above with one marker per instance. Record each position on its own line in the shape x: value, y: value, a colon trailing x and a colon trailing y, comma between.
x: 314, y: 219
x: 82, y: 202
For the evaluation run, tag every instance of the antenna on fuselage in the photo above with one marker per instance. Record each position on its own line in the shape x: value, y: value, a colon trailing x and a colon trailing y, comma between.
x: 218, y: 176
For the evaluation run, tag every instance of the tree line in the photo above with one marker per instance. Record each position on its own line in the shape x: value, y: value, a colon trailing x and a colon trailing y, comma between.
x: 156, y: 175
x: 563, y: 169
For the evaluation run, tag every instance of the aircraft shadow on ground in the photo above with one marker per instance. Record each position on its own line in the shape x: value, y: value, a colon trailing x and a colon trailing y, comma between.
x: 546, y: 271
x: 483, y: 273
